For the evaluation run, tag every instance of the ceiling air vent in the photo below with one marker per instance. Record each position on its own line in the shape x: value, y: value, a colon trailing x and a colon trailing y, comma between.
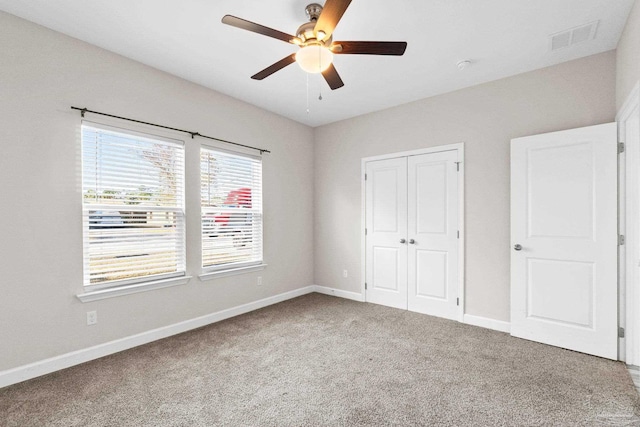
x: 573, y: 36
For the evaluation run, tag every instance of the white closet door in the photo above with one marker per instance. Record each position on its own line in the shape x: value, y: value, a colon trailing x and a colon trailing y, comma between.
x: 386, y: 219
x: 564, y: 239
x: 433, y: 229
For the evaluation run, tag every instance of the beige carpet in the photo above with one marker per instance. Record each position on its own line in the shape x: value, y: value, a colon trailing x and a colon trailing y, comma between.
x: 319, y: 360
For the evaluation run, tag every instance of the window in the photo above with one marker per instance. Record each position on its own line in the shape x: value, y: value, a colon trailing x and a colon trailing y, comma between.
x: 133, y: 207
x: 231, y: 199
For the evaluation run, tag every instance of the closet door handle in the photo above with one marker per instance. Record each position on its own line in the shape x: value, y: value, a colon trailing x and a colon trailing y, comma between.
x: 412, y: 242
x: 403, y: 241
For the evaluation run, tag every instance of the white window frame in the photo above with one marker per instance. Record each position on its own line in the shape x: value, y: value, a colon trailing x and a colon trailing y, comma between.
x: 212, y: 272
x: 92, y: 292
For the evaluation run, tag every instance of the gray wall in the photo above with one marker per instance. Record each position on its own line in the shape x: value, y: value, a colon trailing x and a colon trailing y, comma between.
x: 628, y: 60
x: 43, y: 73
x: 485, y: 117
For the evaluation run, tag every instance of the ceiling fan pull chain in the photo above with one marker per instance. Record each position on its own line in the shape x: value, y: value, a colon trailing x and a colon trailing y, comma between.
x: 320, y: 71
x: 307, y: 93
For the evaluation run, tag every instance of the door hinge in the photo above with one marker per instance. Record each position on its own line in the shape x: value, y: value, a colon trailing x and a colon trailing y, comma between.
x: 621, y: 240
x: 620, y: 332
x: 457, y: 166
x: 365, y: 285
x: 621, y: 147
x: 365, y: 176
x: 365, y: 231
x: 458, y: 234
x: 457, y: 301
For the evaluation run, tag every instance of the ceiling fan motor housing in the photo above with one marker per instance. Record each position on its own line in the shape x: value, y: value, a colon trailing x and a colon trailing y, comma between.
x: 308, y: 36
x: 306, y: 32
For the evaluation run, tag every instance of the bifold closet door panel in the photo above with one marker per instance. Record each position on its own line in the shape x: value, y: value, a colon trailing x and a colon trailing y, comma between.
x: 386, y: 223
x: 433, y: 234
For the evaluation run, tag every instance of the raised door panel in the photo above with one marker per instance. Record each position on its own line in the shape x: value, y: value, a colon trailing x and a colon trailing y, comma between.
x: 561, y: 191
x: 572, y: 287
x: 431, y: 274
x: 385, y: 185
x: 430, y: 192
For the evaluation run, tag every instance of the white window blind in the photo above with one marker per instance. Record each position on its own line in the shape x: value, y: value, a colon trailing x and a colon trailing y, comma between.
x: 133, y: 207
x: 231, y: 197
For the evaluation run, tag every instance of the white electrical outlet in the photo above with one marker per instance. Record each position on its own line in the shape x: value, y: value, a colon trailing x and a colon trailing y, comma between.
x: 345, y: 273
x: 92, y: 317
x: 259, y: 281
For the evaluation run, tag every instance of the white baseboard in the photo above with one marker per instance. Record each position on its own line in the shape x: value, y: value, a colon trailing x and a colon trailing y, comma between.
x: 339, y: 293
x: 43, y: 367
x: 484, y: 322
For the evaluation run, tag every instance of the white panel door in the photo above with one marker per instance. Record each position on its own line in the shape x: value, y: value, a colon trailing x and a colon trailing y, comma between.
x: 432, y: 233
x: 386, y: 219
x: 564, y: 239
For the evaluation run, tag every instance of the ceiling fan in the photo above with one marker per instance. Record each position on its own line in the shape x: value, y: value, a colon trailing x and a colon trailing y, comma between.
x: 315, y: 39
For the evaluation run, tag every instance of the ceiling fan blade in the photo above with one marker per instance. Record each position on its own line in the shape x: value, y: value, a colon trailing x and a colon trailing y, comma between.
x: 332, y: 77
x: 369, y: 48
x: 330, y: 16
x: 234, y: 21
x: 275, y: 67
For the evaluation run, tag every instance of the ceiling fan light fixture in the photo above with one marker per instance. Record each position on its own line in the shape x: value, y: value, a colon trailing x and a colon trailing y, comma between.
x: 314, y: 58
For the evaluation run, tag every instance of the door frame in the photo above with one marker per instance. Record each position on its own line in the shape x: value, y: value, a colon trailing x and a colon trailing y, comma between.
x: 629, y: 253
x: 459, y: 147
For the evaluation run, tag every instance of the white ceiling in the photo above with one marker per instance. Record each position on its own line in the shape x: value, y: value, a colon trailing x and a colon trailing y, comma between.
x: 187, y: 39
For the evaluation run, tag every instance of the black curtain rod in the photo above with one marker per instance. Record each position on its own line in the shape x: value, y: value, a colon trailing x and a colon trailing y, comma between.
x: 193, y: 134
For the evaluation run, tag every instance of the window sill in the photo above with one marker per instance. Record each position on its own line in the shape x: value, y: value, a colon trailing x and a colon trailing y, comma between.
x: 232, y: 272
x: 132, y: 289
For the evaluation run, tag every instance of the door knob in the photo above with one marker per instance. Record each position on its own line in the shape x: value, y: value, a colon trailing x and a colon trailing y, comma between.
x: 403, y: 241
x: 517, y: 247
x: 412, y: 241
